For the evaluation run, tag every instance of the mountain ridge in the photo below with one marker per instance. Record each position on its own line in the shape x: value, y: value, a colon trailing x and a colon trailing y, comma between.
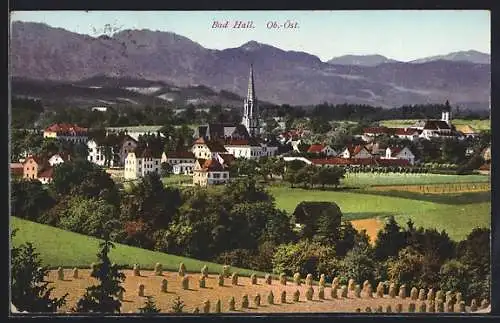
x: 282, y: 76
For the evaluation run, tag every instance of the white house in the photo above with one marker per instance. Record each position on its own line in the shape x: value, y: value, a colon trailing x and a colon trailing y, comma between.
x: 407, y: 133
x: 58, y: 158
x: 399, y: 153
x: 97, y: 153
x: 178, y: 157
x: 249, y: 149
x: 355, y: 152
x: 207, y: 149
x: 322, y: 149
x: 209, y: 172
x: 141, y: 162
x: 183, y: 168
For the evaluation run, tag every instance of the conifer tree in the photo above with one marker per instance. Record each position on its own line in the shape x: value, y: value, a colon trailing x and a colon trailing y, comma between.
x: 103, y: 298
x: 149, y: 307
x: 29, y: 290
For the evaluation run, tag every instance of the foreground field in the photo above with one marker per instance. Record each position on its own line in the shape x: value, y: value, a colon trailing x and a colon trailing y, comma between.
x: 369, y: 179
x: 458, y: 214
x: 195, y: 296
x: 68, y: 249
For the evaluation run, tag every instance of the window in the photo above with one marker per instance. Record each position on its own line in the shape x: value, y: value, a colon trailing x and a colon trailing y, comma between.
x: 33, y: 168
x: 224, y: 175
x: 156, y: 163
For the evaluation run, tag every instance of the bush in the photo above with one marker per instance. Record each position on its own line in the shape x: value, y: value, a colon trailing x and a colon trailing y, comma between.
x: 303, y: 257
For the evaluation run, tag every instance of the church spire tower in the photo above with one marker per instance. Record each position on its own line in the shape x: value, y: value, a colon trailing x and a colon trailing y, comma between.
x: 250, y: 109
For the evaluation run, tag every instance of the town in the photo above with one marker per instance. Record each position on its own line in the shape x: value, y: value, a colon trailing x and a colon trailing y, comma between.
x: 216, y: 146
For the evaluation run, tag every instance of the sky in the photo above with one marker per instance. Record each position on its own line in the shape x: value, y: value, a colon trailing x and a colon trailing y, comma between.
x: 401, y: 35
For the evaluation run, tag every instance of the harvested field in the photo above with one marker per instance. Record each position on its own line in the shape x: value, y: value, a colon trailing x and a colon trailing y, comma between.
x: 436, y: 188
x: 372, y: 226
x: 195, y: 296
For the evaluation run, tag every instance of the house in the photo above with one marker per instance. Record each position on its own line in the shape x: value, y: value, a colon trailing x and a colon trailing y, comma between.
x: 467, y: 131
x: 209, y: 172
x: 66, y: 131
x: 58, y: 158
x: 46, y: 175
x: 207, y: 149
x: 337, y: 161
x: 38, y: 167
x: 183, y: 169
x: 33, y: 165
x: 16, y: 169
x: 141, y: 162
x: 100, y: 109
x: 225, y: 159
x: 372, y: 132
x: 399, y: 153
x: 407, y: 133
x: 322, y: 149
x: 178, y: 157
x: 217, y: 131
x: 357, y: 151
x: 249, y: 148
x: 127, y: 145
x: 486, y: 153
x: 98, y: 155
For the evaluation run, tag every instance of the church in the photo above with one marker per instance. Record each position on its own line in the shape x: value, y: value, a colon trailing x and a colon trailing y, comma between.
x: 240, y: 140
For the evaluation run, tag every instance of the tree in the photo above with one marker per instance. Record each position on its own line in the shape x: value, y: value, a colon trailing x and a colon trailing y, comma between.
x: 29, y: 290
x: 304, y: 257
x: 103, y: 298
x: 454, y: 276
x: 166, y: 169
x: 359, y: 264
x: 94, y: 217
x: 318, y: 220
x: 390, y: 240
x: 29, y: 199
x: 406, y: 268
x: 149, y: 306
x: 177, y: 305
x: 81, y: 177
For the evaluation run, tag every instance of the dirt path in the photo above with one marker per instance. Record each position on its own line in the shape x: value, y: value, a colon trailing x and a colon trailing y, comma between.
x: 195, y: 296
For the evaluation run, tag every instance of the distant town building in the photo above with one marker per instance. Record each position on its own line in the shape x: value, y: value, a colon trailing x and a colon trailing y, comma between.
x: 399, y: 153
x: 251, y: 116
x: 100, y: 109
x: 68, y: 132
x: 322, y: 149
x: 37, y: 167
x: 209, y: 172
x: 97, y: 153
x: 59, y: 158
x: 141, y: 162
x: 357, y: 151
x: 207, y: 149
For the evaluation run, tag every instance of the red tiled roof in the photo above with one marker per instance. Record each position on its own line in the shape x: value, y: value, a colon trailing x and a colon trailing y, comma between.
x: 360, y: 161
x: 16, y: 168
x: 485, y: 167
x: 405, y: 131
x: 46, y: 173
x: 395, y: 151
x: 227, y: 158
x: 317, y: 148
x: 65, y: 127
x: 376, y: 130
x: 212, y: 165
x: 237, y: 142
x: 216, y: 146
x: 180, y: 154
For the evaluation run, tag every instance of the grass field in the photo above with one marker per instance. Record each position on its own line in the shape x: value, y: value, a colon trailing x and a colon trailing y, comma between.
x: 176, y: 180
x: 67, y: 249
x: 368, y: 179
x: 458, y: 214
x: 476, y: 124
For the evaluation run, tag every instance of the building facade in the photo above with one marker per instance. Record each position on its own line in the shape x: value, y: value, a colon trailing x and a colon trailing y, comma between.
x: 141, y: 162
x: 66, y: 131
x: 209, y: 172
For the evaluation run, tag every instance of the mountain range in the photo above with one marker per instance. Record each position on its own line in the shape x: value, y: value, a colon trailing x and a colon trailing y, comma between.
x: 43, y: 53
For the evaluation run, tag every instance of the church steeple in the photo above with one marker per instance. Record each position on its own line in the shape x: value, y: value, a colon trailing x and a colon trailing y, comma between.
x: 250, y: 109
x: 251, y: 86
